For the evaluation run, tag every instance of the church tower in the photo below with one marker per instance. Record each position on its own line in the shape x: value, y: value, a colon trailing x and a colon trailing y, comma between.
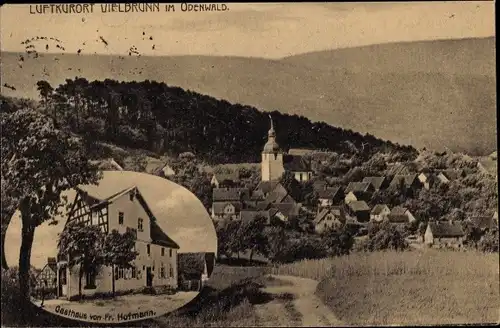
x: 272, y: 157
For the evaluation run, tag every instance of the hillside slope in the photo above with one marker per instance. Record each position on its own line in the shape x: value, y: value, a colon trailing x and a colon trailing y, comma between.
x: 436, y: 94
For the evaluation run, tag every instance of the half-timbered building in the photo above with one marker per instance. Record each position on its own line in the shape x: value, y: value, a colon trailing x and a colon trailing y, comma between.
x: 125, y: 210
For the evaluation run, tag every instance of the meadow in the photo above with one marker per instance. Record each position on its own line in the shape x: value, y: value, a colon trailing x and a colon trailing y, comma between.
x: 410, y: 288
x: 381, y: 288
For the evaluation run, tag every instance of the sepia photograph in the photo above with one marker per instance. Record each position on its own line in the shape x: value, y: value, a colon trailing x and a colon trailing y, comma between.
x: 249, y: 164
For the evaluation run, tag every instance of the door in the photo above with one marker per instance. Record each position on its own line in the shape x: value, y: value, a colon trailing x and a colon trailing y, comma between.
x: 149, y: 277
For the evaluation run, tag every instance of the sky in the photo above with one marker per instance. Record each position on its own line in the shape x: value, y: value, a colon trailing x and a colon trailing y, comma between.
x: 250, y: 30
x: 179, y: 213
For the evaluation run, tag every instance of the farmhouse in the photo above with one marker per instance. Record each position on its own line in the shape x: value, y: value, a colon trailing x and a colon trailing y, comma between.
x: 378, y: 183
x: 400, y: 215
x: 225, y: 210
x: 446, y: 176
x: 426, y: 179
x: 360, y: 210
x: 329, y: 218
x: 379, y: 213
x: 275, y: 162
x: 125, y: 210
x: 409, y: 181
x: 225, y: 179
x: 47, y: 278
x: 356, y: 191
x: 444, y: 234
x: 329, y: 196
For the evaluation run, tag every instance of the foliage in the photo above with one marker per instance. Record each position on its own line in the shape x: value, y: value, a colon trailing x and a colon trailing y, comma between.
x: 82, y: 245
x: 39, y: 162
x: 382, y: 236
x: 338, y: 241
x: 489, y: 242
x: 156, y: 116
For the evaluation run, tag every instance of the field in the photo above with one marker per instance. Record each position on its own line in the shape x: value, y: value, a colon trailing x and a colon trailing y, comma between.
x: 383, y: 288
x: 411, y: 288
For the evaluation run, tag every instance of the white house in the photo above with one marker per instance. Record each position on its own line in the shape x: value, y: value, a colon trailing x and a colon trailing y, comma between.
x: 125, y: 210
x: 329, y: 218
x: 426, y: 179
x: 225, y: 210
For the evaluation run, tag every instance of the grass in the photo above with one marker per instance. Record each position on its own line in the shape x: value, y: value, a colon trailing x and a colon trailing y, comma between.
x: 410, y: 288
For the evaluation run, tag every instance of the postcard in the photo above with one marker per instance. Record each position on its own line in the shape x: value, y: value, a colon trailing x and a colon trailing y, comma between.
x: 249, y: 164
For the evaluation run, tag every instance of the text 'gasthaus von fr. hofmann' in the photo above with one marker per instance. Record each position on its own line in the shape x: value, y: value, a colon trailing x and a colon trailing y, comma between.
x: 89, y: 8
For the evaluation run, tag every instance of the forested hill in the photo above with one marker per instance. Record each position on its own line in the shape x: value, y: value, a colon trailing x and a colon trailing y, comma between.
x: 161, y: 118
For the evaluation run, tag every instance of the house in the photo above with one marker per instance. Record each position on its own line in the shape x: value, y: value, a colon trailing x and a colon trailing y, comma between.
x: 329, y: 218
x: 378, y: 183
x: 409, y: 181
x: 249, y: 215
x: 446, y: 176
x: 275, y: 162
x: 400, y: 216
x: 329, y: 196
x: 398, y: 168
x: 426, y: 179
x: 47, y: 278
x: 230, y: 194
x: 226, y: 210
x: 358, y: 191
x: 122, y: 210
x: 359, y: 209
x: 379, y: 213
x: 444, y: 234
x: 286, y: 211
x: 220, y: 180
x: 194, y: 270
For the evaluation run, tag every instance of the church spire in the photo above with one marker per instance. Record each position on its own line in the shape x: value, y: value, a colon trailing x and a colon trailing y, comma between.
x: 271, y: 132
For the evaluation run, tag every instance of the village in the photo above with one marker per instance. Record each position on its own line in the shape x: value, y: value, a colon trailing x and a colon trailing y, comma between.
x: 346, y: 200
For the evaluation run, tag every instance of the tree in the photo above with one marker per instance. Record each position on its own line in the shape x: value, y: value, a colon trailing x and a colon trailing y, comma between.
x: 45, y: 90
x: 338, y: 241
x: 252, y: 236
x: 39, y: 162
x: 82, y: 245
x: 138, y: 163
x: 118, y: 251
x: 276, y: 242
x: 385, y: 236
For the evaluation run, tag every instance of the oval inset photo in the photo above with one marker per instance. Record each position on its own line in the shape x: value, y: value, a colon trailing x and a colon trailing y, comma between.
x: 133, y: 247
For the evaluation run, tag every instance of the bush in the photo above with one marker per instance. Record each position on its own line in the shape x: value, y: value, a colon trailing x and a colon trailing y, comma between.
x: 489, y: 243
x: 384, y: 236
x: 302, y: 248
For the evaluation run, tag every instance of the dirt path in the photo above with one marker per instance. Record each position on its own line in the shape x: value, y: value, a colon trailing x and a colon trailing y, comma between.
x: 295, y: 304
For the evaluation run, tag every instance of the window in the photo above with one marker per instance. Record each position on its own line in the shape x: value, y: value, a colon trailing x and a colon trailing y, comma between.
x: 139, y: 224
x: 162, y: 271
x: 90, y: 280
x: 131, y: 195
x: 120, y: 218
x: 119, y: 273
x: 149, y: 249
x: 134, y: 272
x: 171, y: 272
x: 300, y: 176
x: 163, y: 251
x: 170, y: 252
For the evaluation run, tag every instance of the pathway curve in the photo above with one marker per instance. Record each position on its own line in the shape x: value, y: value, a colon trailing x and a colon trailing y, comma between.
x: 311, y: 311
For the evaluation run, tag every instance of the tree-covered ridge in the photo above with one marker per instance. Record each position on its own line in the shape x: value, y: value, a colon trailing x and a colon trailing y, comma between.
x: 162, y: 118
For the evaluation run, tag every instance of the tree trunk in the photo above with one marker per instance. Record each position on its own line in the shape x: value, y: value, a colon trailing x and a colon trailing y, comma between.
x: 28, y: 232
x: 113, y: 278
x: 251, y: 254
x: 80, y: 275
x: 238, y: 255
